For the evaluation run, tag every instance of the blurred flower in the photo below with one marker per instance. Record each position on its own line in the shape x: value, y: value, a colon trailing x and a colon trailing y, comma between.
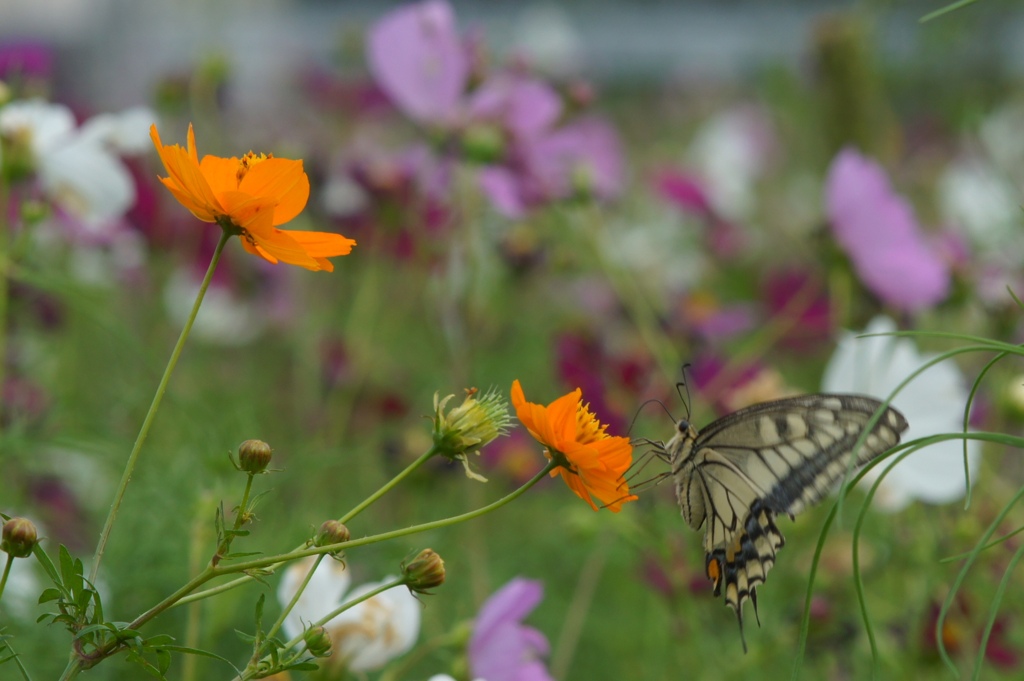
x: 704, y: 316
x: 364, y: 637
x: 591, y: 462
x: 957, y: 630
x: 78, y: 168
x: 250, y: 196
x: 731, y: 386
x: 25, y: 60
x: 802, y: 302
x: 687, y: 193
x: 877, y: 230
x: 933, y: 403
x: 415, y: 55
x: 225, y: 318
x: 730, y: 153
x: 580, y: 359
x: 501, y: 648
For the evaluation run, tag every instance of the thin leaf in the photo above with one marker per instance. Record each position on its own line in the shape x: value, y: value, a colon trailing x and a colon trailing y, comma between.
x: 959, y: 4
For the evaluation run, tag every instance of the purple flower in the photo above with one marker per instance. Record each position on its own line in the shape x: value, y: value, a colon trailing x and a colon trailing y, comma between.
x: 501, y: 647
x: 417, y: 58
x: 877, y: 229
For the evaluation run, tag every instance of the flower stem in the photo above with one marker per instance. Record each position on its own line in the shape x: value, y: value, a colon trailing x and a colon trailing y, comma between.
x: 7, y: 571
x: 151, y: 414
x: 388, y: 485
x: 253, y: 664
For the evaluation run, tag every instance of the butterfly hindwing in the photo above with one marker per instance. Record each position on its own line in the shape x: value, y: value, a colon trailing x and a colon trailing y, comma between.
x: 737, y: 474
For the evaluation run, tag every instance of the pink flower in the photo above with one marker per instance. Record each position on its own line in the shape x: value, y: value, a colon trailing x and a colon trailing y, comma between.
x: 417, y: 58
x: 501, y: 647
x: 878, y: 231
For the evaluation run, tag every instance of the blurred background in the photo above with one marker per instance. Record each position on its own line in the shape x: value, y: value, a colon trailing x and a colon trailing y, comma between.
x: 734, y: 185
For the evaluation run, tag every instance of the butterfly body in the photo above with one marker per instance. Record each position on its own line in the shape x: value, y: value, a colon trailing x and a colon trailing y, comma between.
x: 735, y: 476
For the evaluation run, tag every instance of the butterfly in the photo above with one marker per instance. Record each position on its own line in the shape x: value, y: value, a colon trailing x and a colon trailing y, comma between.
x: 738, y: 474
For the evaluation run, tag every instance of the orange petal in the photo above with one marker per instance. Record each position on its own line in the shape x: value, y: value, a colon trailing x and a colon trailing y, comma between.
x: 255, y: 215
x: 186, y: 175
x: 323, y: 244
x: 282, y: 179
x: 220, y: 173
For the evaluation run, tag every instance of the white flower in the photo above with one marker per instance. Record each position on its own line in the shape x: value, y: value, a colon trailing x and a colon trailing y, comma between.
x: 225, y: 318
x: 933, y: 403
x: 730, y: 151
x: 977, y: 197
x: 79, y: 168
x: 367, y: 635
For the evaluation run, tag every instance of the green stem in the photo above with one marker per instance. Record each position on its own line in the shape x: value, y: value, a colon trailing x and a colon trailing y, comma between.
x: 388, y: 485
x: 179, y: 596
x: 7, y: 571
x: 151, y: 414
x: 6, y: 258
x: 241, y: 517
x: 250, y: 670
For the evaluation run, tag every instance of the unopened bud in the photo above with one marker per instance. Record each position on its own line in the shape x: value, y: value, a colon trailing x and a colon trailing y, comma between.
x: 19, y: 537
x: 318, y: 641
x: 424, y: 572
x: 254, y: 456
x: 332, y: 532
x: 483, y: 143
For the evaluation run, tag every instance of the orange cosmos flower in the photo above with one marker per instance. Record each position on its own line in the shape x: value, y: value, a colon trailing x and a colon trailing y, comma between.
x: 590, y: 461
x: 250, y: 196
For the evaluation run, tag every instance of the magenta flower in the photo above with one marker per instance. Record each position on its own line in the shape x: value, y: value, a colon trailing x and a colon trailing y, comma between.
x: 878, y: 231
x: 501, y: 647
x: 416, y: 56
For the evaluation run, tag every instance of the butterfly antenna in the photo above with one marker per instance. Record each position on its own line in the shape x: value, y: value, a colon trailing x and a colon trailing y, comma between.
x: 641, y: 408
x: 680, y: 387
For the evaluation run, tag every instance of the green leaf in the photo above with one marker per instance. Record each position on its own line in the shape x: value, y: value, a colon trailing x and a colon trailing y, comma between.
x: 50, y: 594
x: 952, y: 7
x: 47, y: 564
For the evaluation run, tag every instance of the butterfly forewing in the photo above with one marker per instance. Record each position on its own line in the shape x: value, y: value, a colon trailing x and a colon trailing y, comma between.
x: 736, y: 474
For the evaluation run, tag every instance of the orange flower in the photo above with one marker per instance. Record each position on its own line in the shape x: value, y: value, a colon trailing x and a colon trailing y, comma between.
x: 250, y: 196
x: 590, y: 461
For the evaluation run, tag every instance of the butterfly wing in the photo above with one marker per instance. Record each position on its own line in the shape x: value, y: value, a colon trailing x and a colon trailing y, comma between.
x: 776, y: 457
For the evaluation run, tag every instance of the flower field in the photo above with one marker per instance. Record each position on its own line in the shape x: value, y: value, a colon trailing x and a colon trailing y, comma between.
x: 441, y: 356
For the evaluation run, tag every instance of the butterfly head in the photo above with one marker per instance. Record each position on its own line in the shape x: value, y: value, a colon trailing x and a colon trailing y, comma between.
x: 680, y: 444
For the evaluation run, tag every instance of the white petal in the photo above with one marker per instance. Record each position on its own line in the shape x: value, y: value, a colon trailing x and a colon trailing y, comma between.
x: 87, y: 180
x: 373, y: 632
x: 933, y: 403
x: 322, y: 595
x: 126, y: 132
x: 48, y: 125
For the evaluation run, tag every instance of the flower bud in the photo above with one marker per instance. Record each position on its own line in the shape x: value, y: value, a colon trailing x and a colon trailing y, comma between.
x: 254, y: 456
x: 423, y: 572
x: 470, y: 426
x: 331, y: 532
x: 318, y: 641
x: 19, y: 537
x: 483, y: 143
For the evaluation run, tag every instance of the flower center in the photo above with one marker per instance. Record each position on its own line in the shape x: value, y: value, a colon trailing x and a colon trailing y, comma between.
x: 247, y: 162
x: 588, y: 428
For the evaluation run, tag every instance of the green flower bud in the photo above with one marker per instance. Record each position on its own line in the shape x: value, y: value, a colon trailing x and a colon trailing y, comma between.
x: 318, y: 641
x: 19, y: 537
x: 254, y: 456
x: 331, y: 532
x: 483, y: 143
x: 424, y: 572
